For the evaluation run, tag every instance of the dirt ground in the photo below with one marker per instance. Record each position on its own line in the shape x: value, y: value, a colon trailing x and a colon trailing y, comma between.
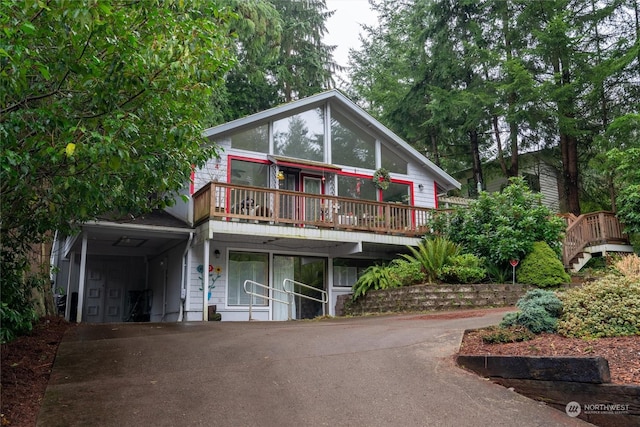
x: 26, y: 366
x: 27, y: 361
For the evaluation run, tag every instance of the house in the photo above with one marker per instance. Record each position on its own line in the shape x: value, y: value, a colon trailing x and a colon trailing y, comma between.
x: 303, y: 198
x: 540, y: 170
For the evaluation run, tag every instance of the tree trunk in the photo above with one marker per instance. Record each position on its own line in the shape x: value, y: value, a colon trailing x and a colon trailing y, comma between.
x: 475, y: 154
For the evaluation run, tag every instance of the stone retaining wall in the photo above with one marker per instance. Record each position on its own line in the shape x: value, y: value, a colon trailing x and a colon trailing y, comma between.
x: 432, y: 297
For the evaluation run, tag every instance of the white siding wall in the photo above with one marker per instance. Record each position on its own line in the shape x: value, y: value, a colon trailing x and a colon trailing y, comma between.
x: 424, y: 198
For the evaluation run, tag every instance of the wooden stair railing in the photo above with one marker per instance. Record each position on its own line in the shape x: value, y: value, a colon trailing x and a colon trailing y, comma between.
x: 590, y: 229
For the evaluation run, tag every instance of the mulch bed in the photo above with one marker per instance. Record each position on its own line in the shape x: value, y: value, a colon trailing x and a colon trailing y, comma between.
x: 26, y: 367
x: 622, y: 353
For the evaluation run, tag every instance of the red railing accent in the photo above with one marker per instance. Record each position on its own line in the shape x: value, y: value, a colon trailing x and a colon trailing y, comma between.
x: 230, y: 202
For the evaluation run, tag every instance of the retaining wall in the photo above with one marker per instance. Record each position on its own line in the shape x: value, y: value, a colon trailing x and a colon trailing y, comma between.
x: 432, y: 297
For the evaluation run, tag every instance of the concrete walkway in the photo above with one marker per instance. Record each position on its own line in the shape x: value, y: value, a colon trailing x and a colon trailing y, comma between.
x: 373, y: 371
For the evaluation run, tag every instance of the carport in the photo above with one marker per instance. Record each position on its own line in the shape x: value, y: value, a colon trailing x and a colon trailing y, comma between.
x: 123, y: 270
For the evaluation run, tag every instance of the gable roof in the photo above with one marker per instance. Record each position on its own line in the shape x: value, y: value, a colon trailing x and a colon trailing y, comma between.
x: 443, y: 179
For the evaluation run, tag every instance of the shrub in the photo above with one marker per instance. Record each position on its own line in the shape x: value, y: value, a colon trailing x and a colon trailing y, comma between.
x: 374, y: 277
x: 629, y: 266
x: 542, y: 267
x: 539, y: 312
x: 432, y: 255
x: 407, y: 273
x: 465, y: 268
x: 609, y: 307
x: 498, y: 335
x: 502, y: 226
x: 499, y: 274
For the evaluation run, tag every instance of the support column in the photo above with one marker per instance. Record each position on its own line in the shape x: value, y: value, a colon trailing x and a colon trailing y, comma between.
x: 205, y: 280
x: 82, y: 278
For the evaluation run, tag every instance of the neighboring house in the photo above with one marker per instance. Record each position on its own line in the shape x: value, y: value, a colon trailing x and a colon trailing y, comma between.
x: 538, y: 168
x: 277, y: 227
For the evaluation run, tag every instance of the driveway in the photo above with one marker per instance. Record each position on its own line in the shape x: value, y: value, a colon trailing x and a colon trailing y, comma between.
x: 370, y: 371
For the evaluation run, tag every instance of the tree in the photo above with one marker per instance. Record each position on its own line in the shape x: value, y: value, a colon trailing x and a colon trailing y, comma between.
x: 281, y: 54
x: 102, y: 110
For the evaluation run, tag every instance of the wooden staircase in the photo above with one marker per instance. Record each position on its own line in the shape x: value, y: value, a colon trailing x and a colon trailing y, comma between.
x: 589, y: 234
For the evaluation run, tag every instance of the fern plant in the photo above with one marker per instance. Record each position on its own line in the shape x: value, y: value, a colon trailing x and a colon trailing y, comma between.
x: 432, y: 254
x: 374, y: 277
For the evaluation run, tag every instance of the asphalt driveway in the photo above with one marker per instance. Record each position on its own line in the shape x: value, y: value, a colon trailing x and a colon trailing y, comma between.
x: 372, y: 371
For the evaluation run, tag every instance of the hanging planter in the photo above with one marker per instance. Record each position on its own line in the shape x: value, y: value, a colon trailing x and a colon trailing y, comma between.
x: 381, y: 178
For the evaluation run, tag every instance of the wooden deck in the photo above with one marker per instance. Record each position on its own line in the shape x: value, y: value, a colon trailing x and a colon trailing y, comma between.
x: 596, y: 228
x: 227, y: 202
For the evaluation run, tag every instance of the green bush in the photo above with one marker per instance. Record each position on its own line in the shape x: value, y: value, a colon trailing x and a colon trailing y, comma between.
x: 502, y: 226
x: 542, y: 268
x: 539, y: 312
x: 432, y: 255
x: 609, y: 307
x: 407, y: 273
x: 375, y: 277
x: 465, y: 268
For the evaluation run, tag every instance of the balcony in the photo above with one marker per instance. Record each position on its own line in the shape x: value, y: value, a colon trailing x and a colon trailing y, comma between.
x: 231, y: 202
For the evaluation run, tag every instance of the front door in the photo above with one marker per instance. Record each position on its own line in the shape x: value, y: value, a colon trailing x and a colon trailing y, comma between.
x: 312, y: 205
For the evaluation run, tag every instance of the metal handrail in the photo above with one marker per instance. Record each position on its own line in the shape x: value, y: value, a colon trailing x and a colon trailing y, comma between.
x: 252, y: 293
x: 325, y: 295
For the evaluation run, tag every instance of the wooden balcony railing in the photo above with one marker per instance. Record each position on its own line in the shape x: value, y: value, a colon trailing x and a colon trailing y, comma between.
x: 590, y: 229
x: 231, y: 202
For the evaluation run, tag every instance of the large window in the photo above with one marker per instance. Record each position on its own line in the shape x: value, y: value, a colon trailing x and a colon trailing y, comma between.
x: 256, y: 139
x: 247, y: 266
x: 356, y: 188
x: 351, y: 146
x: 391, y: 161
x: 399, y: 193
x: 249, y: 173
x: 300, y: 136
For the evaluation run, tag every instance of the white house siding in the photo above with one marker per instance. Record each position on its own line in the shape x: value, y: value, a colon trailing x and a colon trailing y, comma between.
x: 548, y: 184
x: 425, y: 197
x: 549, y: 187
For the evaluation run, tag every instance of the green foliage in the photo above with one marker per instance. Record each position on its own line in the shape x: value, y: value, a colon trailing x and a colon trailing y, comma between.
x: 609, y: 307
x: 432, y: 255
x: 407, y: 273
x: 622, y: 161
x: 541, y: 267
x: 102, y: 109
x: 502, y: 226
x: 374, y: 277
x: 465, y: 268
x: 501, y: 335
x: 499, y: 274
x: 539, y: 312
x: 17, y: 313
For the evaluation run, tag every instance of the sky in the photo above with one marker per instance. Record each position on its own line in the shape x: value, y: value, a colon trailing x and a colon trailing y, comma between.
x: 344, y: 26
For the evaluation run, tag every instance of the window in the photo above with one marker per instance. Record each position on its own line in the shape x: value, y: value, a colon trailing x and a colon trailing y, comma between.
x: 532, y: 181
x: 399, y: 193
x: 356, y: 188
x: 256, y: 139
x: 247, y: 266
x: 391, y: 161
x: 346, y: 271
x: 245, y: 172
x: 351, y: 146
x: 300, y: 136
